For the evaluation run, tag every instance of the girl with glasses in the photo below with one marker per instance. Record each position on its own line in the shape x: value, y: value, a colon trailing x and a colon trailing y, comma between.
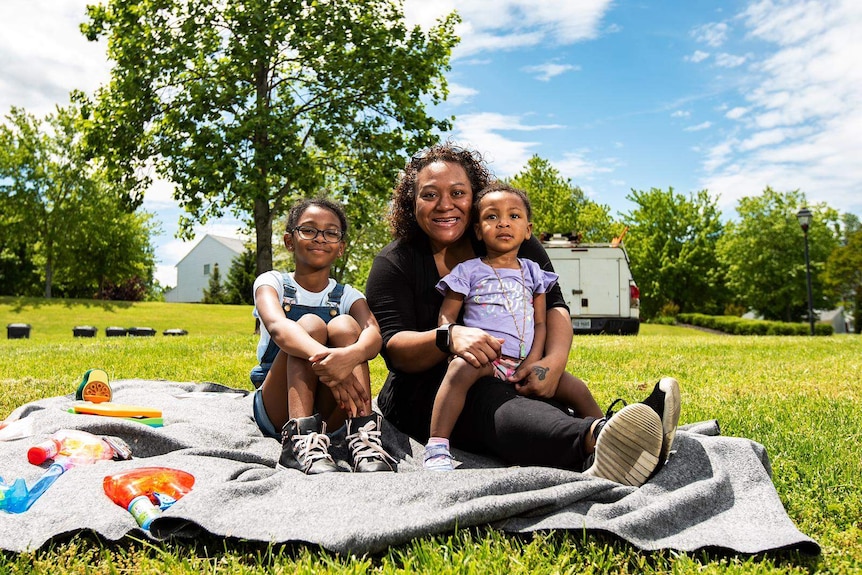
x: 316, y: 338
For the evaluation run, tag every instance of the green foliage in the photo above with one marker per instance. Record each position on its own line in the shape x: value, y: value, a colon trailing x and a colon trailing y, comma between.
x: 240, y: 279
x: 843, y: 273
x: 61, y: 216
x: 247, y: 105
x: 368, y: 234
x: 559, y: 206
x: 763, y: 253
x: 799, y: 397
x: 743, y: 326
x: 215, y: 292
x: 672, y: 245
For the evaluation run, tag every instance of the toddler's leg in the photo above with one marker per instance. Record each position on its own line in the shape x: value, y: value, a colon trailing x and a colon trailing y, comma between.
x: 460, y: 377
x: 573, y: 392
x: 448, y: 405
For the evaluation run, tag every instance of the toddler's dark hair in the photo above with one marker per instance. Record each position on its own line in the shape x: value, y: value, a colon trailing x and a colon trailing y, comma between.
x: 501, y: 187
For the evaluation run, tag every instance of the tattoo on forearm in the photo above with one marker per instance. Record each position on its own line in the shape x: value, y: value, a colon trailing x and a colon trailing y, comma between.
x: 541, y: 372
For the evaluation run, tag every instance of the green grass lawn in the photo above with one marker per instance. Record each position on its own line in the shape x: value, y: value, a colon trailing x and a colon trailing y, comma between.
x: 798, y: 396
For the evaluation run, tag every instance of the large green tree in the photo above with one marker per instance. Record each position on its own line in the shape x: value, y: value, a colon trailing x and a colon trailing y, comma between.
x: 672, y: 245
x: 60, y: 216
x: 561, y: 207
x: 764, y: 254
x: 247, y: 104
x: 843, y: 273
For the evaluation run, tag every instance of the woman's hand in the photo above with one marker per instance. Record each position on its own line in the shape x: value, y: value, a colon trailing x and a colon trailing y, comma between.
x: 537, y: 379
x: 474, y: 345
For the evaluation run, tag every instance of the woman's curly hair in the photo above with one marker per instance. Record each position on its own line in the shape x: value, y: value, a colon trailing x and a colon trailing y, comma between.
x: 402, y: 217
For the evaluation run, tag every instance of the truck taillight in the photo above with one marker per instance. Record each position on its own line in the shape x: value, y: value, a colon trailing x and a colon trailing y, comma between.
x: 634, y: 296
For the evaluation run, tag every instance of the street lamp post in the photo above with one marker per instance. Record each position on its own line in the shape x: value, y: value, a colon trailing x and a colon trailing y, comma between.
x: 804, y: 217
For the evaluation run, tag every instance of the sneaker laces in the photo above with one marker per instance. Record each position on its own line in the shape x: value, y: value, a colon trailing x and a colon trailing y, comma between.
x: 608, y: 414
x: 365, y: 443
x: 311, y: 447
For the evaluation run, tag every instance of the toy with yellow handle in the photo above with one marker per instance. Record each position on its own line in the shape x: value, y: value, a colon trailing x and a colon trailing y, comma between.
x: 94, y: 387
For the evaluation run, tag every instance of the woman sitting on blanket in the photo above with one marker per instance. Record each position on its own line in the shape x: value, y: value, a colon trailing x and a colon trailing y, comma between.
x: 316, y: 338
x: 516, y: 420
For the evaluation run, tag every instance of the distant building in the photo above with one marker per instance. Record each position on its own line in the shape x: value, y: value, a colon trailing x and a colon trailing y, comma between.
x: 195, y: 270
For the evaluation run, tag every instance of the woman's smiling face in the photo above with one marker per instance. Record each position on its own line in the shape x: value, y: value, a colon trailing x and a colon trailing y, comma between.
x: 443, y: 200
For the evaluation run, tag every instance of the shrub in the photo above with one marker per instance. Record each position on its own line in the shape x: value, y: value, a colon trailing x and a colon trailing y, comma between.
x: 739, y: 326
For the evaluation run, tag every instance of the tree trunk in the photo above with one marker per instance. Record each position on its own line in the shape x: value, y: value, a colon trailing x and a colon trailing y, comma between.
x: 49, y: 269
x: 263, y: 233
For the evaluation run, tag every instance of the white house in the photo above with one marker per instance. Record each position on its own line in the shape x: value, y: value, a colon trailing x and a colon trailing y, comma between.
x: 196, y: 268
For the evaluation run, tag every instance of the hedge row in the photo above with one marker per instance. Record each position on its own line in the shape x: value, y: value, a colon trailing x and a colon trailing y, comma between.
x: 742, y: 326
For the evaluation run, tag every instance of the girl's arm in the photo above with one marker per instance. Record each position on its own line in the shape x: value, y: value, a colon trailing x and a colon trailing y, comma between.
x: 451, y: 307
x: 334, y: 365
x: 540, y: 329
x: 369, y: 342
x: 531, y: 377
x: 286, y: 333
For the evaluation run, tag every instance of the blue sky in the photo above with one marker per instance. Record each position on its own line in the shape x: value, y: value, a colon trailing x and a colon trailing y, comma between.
x: 728, y: 96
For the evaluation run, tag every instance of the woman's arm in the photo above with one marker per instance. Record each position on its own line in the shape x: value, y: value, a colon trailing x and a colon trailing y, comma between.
x: 407, y: 324
x: 408, y: 321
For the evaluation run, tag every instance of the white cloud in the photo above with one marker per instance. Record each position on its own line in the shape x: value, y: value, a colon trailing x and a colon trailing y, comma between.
x: 460, y: 94
x: 483, y: 132
x: 804, y: 113
x: 736, y: 113
x: 724, y: 60
x: 549, y: 70
x: 41, y: 64
x: 698, y: 56
x: 680, y: 114
x: 699, y: 127
x: 577, y: 166
x: 508, y: 24
x: 713, y: 35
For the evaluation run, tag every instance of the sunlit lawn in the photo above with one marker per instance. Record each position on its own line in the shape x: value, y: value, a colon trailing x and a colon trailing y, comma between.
x: 798, y: 396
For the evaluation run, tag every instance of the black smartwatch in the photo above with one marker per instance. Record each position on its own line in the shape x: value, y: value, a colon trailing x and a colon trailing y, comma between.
x: 444, y: 337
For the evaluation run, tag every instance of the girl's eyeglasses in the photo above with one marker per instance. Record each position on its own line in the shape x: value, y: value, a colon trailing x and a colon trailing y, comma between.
x: 309, y: 233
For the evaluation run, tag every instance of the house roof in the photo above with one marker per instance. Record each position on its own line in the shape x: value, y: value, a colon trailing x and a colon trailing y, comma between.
x: 235, y: 245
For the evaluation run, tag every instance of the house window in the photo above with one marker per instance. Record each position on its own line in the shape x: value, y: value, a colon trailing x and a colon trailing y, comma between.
x: 206, y: 269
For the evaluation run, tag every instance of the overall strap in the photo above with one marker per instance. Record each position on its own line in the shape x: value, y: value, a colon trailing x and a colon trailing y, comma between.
x: 289, y: 297
x: 335, y: 299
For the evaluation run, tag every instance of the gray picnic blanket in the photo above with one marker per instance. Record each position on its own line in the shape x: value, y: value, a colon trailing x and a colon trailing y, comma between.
x: 714, y: 493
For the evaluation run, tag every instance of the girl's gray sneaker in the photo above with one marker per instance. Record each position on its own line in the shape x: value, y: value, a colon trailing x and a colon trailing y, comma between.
x: 366, y: 447
x: 305, y: 446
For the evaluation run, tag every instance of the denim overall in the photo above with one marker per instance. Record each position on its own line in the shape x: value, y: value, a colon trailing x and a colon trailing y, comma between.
x: 294, y: 311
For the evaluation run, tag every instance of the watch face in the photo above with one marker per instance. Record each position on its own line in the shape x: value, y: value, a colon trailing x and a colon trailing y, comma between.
x: 443, y: 338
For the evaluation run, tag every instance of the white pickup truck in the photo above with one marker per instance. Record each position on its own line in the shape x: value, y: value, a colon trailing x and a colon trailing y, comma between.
x: 597, y: 285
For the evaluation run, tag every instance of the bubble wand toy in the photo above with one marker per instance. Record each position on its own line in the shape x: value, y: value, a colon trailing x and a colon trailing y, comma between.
x: 67, y: 448
x: 147, y: 491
